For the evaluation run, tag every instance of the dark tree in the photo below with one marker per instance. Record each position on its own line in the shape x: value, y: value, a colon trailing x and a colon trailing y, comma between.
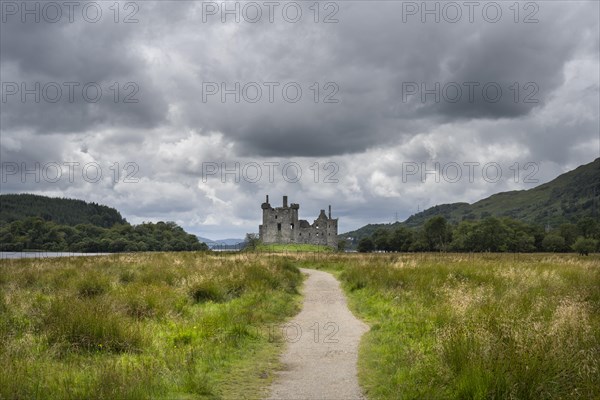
x: 366, y: 245
x: 437, y: 233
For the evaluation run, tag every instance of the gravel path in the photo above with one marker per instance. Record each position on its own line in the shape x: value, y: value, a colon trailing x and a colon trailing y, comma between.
x: 320, y: 359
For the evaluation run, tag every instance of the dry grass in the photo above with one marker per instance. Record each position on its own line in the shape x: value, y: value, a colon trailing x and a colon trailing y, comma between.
x: 175, y: 325
x: 140, y: 326
x: 482, y: 326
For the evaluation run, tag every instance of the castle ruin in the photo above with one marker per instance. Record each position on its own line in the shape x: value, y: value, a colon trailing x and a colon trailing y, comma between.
x: 281, y: 225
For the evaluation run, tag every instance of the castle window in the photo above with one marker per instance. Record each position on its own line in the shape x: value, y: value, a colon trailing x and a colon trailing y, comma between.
x: 292, y: 226
x: 300, y: 234
x: 317, y: 234
x: 276, y: 217
x: 279, y: 227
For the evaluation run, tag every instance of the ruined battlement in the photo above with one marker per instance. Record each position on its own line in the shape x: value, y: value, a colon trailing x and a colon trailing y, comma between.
x: 282, y: 225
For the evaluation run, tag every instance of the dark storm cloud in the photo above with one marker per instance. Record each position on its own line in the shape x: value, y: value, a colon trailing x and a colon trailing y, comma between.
x: 70, y: 61
x: 380, y: 66
x: 503, y: 70
x: 371, y: 56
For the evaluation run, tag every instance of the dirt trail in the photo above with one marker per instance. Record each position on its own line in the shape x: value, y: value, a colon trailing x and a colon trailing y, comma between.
x: 320, y: 363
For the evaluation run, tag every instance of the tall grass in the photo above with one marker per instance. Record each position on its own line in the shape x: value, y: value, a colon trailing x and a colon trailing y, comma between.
x: 181, y: 325
x: 460, y: 326
x: 170, y: 325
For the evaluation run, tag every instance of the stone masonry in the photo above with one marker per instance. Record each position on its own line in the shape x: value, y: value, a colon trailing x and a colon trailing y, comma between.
x: 281, y: 225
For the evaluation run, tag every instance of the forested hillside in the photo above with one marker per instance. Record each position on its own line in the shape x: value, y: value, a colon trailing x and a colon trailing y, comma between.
x: 30, y: 222
x: 567, y: 199
x: 14, y: 207
x: 34, y: 233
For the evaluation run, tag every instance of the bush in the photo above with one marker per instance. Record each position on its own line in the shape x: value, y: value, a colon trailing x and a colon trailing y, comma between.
x: 584, y: 246
x: 366, y: 245
x: 554, y: 243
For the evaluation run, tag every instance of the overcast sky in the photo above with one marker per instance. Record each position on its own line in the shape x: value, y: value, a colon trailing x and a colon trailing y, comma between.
x: 343, y: 103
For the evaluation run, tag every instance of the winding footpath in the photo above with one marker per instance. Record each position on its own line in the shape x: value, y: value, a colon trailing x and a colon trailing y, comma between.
x: 322, y: 351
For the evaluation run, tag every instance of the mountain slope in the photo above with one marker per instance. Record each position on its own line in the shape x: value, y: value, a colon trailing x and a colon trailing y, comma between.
x: 567, y: 198
x: 62, y: 211
x: 30, y: 222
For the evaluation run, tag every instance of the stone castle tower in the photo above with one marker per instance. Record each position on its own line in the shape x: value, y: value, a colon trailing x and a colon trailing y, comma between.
x: 281, y: 225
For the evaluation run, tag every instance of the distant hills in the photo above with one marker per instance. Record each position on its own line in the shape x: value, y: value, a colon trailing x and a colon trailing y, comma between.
x: 62, y: 211
x: 567, y: 198
x: 221, y: 243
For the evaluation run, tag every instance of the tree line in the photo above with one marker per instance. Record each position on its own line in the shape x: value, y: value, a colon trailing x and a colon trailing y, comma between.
x: 62, y: 211
x: 487, y: 235
x: 35, y: 233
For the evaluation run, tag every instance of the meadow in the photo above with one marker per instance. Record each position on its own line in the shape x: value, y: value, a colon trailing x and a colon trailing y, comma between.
x: 291, y: 248
x: 199, y: 325
x: 140, y: 326
x: 464, y: 326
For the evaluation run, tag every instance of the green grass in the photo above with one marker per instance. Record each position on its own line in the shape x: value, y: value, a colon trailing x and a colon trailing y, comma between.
x: 462, y: 326
x: 167, y: 325
x: 292, y: 248
x: 191, y: 326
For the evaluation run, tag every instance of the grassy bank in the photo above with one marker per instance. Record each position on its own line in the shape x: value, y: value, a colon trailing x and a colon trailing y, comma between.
x: 475, y: 326
x: 167, y: 325
x: 292, y: 248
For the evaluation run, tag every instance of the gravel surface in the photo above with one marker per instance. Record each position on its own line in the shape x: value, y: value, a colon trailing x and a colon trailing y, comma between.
x: 320, y: 359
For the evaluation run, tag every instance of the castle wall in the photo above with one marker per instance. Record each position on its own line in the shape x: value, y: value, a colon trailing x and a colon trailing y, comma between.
x: 281, y: 225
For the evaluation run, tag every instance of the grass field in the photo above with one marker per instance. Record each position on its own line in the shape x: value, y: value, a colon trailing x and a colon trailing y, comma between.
x: 461, y: 326
x: 189, y: 326
x: 170, y: 325
x: 292, y: 248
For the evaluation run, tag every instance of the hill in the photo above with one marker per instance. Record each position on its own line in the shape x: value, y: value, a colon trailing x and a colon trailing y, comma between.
x: 62, y: 211
x: 221, y: 243
x: 31, y: 222
x: 567, y: 198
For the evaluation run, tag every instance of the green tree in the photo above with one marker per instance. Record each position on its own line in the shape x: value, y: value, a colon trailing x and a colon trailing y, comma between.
x: 179, y: 245
x: 381, y: 239
x: 419, y: 243
x: 522, y: 242
x: 553, y: 242
x: 588, y: 227
x: 118, y: 245
x: 366, y: 245
x: 584, y: 246
x: 461, y: 238
x: 400, y: 239
x: 200, y: 246
x: 489, y: 235
x: 569, y: 232
x: 252, y: 241
x: 437, y: 233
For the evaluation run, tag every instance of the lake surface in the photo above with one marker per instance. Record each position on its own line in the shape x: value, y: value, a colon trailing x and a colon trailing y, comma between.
x: 10, y: 255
